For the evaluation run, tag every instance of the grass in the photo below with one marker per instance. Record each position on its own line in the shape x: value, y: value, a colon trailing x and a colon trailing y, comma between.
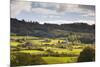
x: 21, y: 37
x: 31, y: 51
x: 14, y: 43
x: 52, y: 41
x: 49, y: 59
x: 37, y: 42
x: 59, y: 60
x: 74, y: 51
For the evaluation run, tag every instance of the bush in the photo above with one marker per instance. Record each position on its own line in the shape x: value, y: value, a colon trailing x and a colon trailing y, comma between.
x: 22, y: 59
x: 40, y: 49
x: 49, y: 51
x: 87, y: 55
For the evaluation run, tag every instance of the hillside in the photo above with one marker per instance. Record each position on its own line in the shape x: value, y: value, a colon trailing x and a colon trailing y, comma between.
x: 21, y: 27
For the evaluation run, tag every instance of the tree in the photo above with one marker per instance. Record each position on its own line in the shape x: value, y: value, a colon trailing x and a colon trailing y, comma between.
x: 73, y: 38
x: 23, y: 59
x: 87, y: 55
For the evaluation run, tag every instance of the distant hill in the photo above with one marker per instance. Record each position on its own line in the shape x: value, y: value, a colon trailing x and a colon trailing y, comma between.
x: 21, y: 27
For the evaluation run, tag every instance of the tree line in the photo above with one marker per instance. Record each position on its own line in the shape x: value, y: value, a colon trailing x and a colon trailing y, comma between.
x: 22, y: 27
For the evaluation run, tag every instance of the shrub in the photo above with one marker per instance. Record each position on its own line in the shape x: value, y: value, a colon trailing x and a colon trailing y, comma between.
x: 49, y: 51
x: 22, y: 59
x: 40, y: 49
x: 87, y: 55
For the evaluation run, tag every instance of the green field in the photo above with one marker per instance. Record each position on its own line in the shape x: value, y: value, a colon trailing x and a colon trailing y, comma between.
x: 31, y: 51
x: 50, y: 50
x: 58, y: 60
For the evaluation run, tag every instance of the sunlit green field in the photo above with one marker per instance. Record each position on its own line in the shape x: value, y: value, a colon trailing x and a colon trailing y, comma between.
x: 31, y: 51
x: 45, y: 49
x: 58, y: 60
x: 14, y: 43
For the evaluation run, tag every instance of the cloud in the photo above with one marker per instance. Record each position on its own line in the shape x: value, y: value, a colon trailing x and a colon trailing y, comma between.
x: 57, y: 12
x: 62, y: 7
x: 44, y: 11
x: 65, y: 11
x: 91, y: 14
x: 49, y: 8
x: 18, y: 6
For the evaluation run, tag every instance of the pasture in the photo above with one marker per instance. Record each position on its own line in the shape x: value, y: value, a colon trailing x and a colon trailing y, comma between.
x: 50, y: 50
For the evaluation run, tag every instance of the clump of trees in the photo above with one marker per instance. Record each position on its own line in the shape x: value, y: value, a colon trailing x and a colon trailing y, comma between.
x: 22, y: 59
x: 87, y: 55
x: 22, y: 27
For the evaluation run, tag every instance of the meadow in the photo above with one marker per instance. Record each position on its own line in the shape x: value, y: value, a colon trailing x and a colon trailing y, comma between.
x: 50, y: 50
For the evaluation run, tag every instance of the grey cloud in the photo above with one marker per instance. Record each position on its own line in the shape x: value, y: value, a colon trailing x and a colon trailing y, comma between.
x: 88, y: 7
x: 53, y: 11
x: 62, y: 7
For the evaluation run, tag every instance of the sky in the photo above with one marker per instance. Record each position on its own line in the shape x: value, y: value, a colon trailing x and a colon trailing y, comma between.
x: 55, y: 13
